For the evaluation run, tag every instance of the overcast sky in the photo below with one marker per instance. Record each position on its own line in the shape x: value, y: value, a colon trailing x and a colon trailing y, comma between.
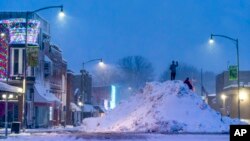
x: 160, y: 30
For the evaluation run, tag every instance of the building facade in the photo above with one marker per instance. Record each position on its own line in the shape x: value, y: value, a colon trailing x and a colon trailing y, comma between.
x: 73, y: 110
x: 105, y: 97
x: 227, y: 95
x: 79, y: 94
x: 31, y: 68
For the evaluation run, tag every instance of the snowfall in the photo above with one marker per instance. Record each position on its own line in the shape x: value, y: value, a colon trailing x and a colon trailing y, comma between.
x: 161, y: 111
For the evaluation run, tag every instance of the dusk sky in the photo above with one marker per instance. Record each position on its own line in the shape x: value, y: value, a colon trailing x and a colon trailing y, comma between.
x: 160, y: 30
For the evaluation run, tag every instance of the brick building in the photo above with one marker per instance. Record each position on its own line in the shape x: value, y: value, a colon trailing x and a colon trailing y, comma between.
x: 79, y: 93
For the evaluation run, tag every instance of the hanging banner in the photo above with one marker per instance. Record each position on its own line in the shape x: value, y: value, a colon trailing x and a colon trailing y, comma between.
x: 32, y: 54
x: 233, y: 73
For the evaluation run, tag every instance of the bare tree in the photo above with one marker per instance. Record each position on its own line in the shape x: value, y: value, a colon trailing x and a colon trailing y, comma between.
x: 136, y: 71
x: 108, y: 75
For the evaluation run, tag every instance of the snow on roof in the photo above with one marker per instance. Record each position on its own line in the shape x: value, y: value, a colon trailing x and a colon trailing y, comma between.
x: 43, y: 95
x: 88, y: 108
x: 74, y: 107
x: 236, y: 85
x: 8, y: 88
x: 231, y: 86
x: 211, y: 95
x: 162, y: 107
x: 70, y: 72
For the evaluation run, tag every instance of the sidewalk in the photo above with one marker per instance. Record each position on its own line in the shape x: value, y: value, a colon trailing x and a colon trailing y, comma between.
x: 41, y: 130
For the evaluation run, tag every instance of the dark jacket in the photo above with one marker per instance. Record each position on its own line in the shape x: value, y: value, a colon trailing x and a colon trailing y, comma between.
x: 190, y: 86
x: 173, y: 67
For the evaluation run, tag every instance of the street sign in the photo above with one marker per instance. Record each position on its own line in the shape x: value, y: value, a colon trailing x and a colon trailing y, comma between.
x: 233, y: 73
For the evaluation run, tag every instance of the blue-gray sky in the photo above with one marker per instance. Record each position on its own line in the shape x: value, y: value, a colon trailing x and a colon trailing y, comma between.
x: 160, y: 30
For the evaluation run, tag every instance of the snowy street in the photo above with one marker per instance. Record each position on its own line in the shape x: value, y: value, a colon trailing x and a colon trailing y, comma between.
x: 117, y: 136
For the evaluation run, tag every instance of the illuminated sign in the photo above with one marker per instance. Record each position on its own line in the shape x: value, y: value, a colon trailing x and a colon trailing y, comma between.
x: 50, y: 113
x: 233, y: 73
x: 32, y: 52
x: 113, y: 97
x: 17, y: 30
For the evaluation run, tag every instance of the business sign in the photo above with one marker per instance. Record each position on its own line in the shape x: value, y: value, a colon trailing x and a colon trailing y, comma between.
x: 233, y: 73
x: 32, y: 54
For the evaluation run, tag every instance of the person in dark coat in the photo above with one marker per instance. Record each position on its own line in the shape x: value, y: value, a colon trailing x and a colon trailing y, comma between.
x: 173, y: 69
x: 187, y: 81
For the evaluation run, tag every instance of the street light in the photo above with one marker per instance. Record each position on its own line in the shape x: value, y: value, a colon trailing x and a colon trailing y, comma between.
x: 28, y: 13
x: 6, y: 97
x: 80, y: 103
x: 83, y: 70
x: 101, y: 63
x: 211, y: 41
x: 2, y: 34
x: 223, y: 97
x: 61, y: 14
x: 238, y: 62
x: 243, y: 95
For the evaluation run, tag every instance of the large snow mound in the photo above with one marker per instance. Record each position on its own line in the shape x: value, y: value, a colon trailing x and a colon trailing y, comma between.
x: 166, y: 107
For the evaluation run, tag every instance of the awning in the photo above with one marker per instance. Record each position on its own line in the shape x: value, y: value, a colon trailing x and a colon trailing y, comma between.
x: 99, y: 109
x: 74, y: 107
x: 42, y: 94
x: 8, y: 88
x: 88, y: 108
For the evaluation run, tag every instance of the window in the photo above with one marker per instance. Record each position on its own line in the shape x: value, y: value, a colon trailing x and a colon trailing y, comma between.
x: 16, y: 56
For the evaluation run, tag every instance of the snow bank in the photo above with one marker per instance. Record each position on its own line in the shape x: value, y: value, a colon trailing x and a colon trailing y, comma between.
x: 167, y: 107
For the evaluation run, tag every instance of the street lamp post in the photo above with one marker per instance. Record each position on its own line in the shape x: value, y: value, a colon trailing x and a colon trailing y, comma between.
x: 6, y: 97
x: 238, y: 62
x: 6, y: 115
x: 99, y: 59
x: 28, y: 13
x: 82, y: 71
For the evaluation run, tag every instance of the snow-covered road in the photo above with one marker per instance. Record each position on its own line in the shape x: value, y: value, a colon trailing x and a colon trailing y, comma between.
x: 117, y: 136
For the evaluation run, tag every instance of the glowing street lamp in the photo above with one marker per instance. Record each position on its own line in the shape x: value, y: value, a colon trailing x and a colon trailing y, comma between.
x: 223, y: 97
x: 80, y: 103
x: 101, y: 63
x: 211, y: 41
x: 2, y: 34
x: 61, y: 15
x: 129, y: 88
x: 243, y: 95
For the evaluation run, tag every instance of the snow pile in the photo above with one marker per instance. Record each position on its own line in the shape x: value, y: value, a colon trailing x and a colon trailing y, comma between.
x: 167, y: 107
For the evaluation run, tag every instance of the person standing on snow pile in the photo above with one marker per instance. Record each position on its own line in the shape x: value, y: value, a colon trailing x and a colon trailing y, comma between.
x: 173, y: 69
x: 188, y: 83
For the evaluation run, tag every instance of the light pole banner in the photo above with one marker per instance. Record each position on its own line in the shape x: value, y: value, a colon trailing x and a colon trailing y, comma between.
x: 32, y: 52
x: 233, y: 73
